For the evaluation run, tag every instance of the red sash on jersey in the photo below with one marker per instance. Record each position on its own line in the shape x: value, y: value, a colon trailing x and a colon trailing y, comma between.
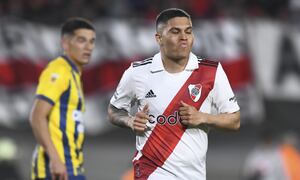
x: 164, y: 138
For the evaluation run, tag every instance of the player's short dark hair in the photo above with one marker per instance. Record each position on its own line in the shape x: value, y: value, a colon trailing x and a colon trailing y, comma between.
x: 72, y: 24
x: 170, y: 13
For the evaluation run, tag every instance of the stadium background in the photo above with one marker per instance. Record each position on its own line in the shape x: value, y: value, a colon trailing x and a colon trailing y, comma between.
x: 258, y: 43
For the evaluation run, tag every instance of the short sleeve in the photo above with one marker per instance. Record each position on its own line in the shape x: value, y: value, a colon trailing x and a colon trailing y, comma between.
x: 124, y: 93
x: 223, y: 96
x: 52, y: 83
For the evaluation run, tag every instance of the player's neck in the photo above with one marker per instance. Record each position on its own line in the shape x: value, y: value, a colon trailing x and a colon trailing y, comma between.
x: 78, y: 66
x: 174, y: 65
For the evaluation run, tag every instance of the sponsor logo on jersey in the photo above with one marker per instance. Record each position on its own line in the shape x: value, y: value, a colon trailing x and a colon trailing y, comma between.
x: 195, y: 91
x: 161, y: 119
x: 150, y: 94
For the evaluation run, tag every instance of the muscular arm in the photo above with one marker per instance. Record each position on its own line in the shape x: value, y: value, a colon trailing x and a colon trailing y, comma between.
x: 119, y: 117
x: 230, y: 121
x: 39, y: 124
x: 193, y: 118
x: 122, y: 118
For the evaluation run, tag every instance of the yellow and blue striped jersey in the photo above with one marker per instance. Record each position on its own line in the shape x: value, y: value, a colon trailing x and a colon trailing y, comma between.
x: 60, y: 85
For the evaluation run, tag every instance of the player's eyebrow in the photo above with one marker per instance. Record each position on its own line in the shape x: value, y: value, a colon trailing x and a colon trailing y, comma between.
x: 179, y: 29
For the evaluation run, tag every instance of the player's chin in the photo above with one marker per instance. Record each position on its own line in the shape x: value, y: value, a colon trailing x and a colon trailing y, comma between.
x: 183, y: 52
x: 85, y: 60
x: 183, y: 55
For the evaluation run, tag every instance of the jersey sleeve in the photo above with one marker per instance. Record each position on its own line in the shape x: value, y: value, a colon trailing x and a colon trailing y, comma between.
x: 223, y: 96
x: 52, y: 83
x: 124, y: 93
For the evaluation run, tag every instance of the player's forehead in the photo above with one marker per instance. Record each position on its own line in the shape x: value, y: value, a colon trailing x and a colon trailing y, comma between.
x: 82, y: 32
x: 179, y: 22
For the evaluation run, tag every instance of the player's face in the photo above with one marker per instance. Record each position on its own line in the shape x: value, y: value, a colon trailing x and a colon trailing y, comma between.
x: 79, y: 46
x: 176, y: 38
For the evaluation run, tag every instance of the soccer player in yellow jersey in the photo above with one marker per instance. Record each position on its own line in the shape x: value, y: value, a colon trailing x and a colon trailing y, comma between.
x: 56, y: 117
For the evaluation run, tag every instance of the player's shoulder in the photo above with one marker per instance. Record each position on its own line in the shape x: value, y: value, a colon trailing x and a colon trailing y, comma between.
x: 207, y: 62
x: 58, y: 65
x: 142, y: 63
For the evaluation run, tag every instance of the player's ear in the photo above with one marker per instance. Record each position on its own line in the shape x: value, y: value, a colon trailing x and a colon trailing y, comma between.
x: 158, y: 38
x: 64, y: 43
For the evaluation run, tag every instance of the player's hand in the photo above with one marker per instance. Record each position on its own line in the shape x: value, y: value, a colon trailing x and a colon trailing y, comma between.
x: 190, y: 116
x: 140, y: 120
x: 58, y: 170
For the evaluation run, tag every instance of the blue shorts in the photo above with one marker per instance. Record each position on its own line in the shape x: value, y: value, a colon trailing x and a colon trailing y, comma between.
x: 80, y: 177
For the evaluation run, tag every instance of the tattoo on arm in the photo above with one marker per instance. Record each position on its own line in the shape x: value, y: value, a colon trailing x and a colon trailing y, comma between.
x: 119, y: 117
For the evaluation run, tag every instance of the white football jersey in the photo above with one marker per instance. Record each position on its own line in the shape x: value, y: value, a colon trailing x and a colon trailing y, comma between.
x: 169, y: 150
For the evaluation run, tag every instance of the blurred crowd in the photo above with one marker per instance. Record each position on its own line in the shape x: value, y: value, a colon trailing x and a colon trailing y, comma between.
x: 53, y: 11
x: 275, y: 157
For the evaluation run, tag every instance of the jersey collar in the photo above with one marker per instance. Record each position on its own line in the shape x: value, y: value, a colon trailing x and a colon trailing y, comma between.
x: 157, y: 64
x: 71, y: 63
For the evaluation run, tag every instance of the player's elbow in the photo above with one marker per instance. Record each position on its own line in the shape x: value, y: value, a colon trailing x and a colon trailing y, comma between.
x: 32, y: 119
x: 237, y: 122
x: 237, y: 125
x: 110, y: 114
x: 36, y: 118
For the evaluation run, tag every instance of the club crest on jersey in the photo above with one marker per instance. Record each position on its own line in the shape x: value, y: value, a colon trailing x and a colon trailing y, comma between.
x: 195, y: 91
x: 54, y: 77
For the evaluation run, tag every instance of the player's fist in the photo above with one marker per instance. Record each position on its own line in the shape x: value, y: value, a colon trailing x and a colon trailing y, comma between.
x: 190, y: 116
x: 140, y: 120
x: 58, y: 170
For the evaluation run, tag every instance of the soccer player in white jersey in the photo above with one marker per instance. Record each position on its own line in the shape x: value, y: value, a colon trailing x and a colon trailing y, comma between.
x: 176, y: 94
